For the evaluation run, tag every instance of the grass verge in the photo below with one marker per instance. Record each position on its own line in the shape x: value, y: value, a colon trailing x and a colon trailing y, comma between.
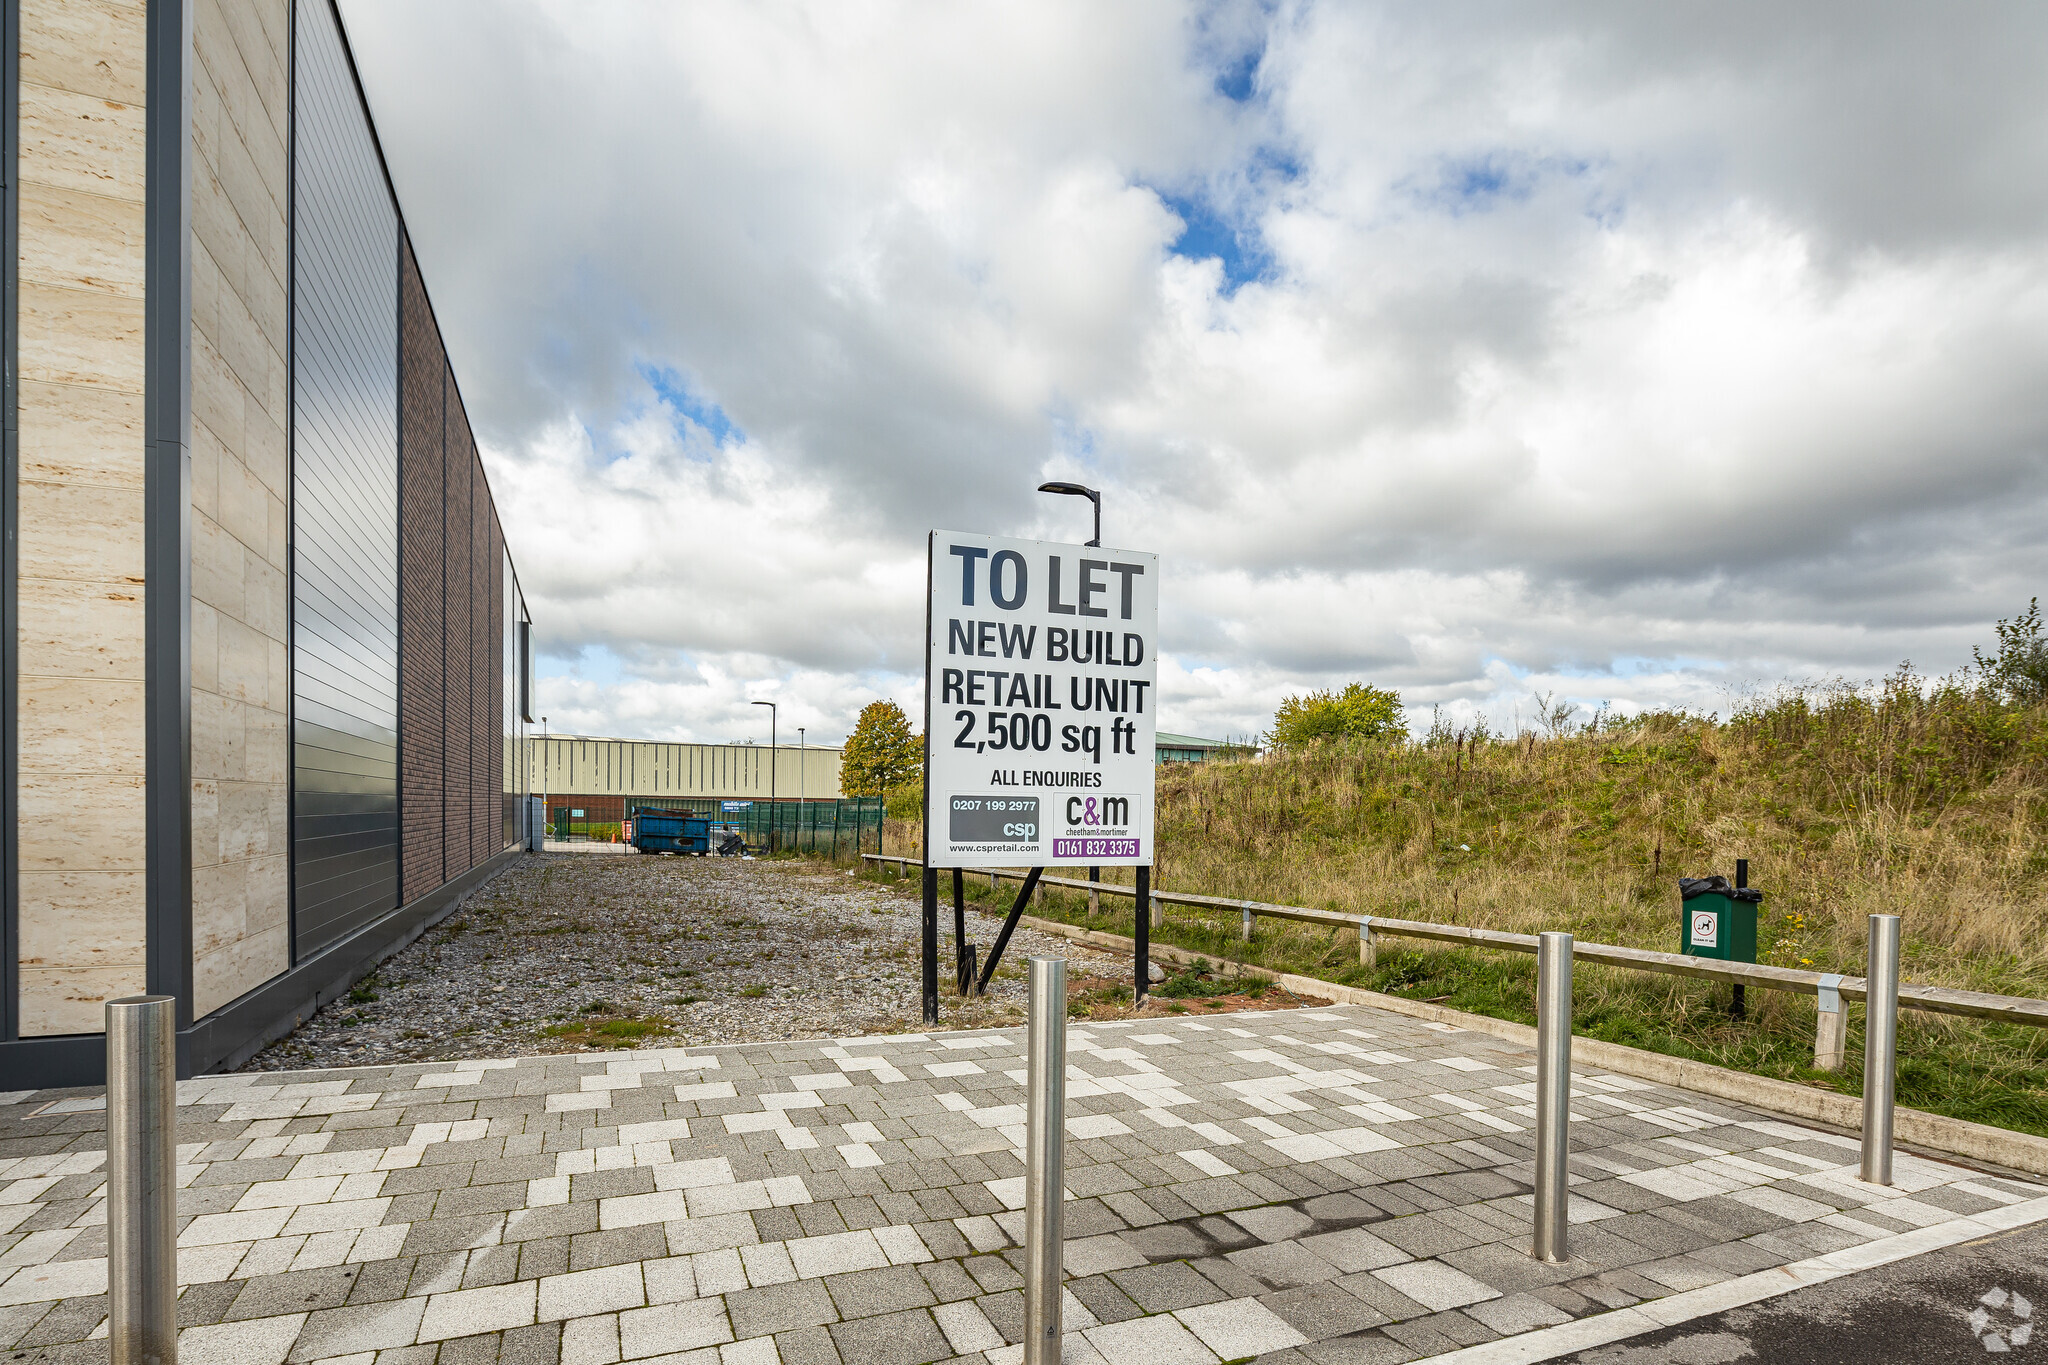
x: 1986, y: 1073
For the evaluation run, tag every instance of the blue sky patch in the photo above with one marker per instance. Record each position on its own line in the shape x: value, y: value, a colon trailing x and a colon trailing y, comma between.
x: 677, y: 392
x: 1484, y: 182
x: 1208, y: 234
x: 1235, y: 82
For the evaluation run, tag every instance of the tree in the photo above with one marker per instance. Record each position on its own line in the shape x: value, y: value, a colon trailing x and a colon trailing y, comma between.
x: 1358, y: 711
x: 883, y: 752
x: 2019, y: 670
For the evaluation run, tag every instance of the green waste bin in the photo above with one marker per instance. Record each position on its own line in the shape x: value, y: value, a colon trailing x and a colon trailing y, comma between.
x: 1717, y: 919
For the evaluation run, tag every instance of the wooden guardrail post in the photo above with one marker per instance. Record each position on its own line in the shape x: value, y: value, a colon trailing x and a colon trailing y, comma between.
x: 1830, y: 1025
x: 1366, y: 954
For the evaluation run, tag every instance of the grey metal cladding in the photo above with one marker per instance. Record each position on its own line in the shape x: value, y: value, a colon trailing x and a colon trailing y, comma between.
x: 344, y: 501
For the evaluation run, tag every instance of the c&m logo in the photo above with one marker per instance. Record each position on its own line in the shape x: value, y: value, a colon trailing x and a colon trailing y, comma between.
x: 1098, y: 812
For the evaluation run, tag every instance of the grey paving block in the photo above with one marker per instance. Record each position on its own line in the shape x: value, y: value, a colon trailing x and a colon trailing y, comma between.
x: 865, y: 1293
x: 806, y: 1346
x: 617, y: 1246
x: 1165, y: 1287
x: 302, y: 1291
x: 780, y: 1308
x: 1283, y: 1265
x: 909, y: 1338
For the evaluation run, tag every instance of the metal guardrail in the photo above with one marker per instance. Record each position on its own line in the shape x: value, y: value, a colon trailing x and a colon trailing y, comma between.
x: 2008, y: 1009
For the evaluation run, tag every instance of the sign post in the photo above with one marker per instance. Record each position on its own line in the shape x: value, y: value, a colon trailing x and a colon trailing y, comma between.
x: 1041, y: 673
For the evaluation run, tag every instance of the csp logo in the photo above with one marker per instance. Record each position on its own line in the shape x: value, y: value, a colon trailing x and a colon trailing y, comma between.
x: 1098, y: 812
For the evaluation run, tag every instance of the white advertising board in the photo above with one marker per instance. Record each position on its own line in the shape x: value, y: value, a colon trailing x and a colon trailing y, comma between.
x: 1041, y: 671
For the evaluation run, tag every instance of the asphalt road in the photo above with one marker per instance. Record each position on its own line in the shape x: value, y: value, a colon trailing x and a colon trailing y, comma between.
x: 1981, y: 1299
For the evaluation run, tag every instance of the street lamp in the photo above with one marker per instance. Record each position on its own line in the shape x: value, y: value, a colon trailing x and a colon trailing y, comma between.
x: 1079, y: 491
x: 774, y: 817
x: 544, y: 756
x: 800, y: 789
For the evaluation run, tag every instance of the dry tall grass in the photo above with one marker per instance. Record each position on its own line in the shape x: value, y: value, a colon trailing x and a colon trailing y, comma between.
x: 1930, y: 803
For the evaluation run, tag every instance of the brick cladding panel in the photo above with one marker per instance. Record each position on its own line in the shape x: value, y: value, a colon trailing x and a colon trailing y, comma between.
x: 458, y: 556
x: 421, y: 596
x: 482, y: 664
x: 496, y: 812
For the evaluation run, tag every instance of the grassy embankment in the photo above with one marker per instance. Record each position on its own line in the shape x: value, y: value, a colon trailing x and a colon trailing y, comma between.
x: 1845, y: 802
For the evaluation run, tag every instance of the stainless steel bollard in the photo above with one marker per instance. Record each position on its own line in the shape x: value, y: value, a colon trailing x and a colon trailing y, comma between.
x: 142, y: 1188
x: 1045, y: 1134
x: 1880, y: 1047
x: 1553, y: 1094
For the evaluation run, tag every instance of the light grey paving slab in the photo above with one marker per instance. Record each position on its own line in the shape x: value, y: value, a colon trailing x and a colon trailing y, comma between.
x: 1335, y: 1184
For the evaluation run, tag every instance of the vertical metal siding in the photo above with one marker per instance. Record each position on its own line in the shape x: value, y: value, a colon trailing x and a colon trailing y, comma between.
x: 344, y: 501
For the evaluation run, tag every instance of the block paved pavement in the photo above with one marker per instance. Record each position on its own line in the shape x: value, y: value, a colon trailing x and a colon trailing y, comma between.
x: 1330, y: 1186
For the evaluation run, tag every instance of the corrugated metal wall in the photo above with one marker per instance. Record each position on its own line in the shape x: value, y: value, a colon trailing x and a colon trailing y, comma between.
x: 345, y: 501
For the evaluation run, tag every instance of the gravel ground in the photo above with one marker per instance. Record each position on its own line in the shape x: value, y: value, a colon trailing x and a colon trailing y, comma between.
x: 571, y: 952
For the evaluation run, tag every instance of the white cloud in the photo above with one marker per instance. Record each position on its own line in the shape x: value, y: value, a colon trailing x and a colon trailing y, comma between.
x: 1628, y: 355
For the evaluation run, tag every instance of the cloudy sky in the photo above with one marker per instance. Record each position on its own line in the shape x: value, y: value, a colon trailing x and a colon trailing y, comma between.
x: 1626, y: 353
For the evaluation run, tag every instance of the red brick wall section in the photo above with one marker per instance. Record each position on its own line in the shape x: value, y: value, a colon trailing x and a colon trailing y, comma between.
x: 451, y: 610
x: 599, y: 808
x: 421, y: 596
x: 494, y: 807
x: 483, y: 666
x: 455, y: 675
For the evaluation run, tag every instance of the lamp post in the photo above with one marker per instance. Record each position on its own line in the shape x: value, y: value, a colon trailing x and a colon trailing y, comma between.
x: 774, y: 816
x: 544, y: 791
x: 800, y: 788
x: 1080, y: 491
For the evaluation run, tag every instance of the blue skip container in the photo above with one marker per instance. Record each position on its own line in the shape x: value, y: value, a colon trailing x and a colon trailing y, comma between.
x: 671, y: 831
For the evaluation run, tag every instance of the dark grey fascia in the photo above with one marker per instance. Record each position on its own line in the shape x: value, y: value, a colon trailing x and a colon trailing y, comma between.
x: 167, y: 501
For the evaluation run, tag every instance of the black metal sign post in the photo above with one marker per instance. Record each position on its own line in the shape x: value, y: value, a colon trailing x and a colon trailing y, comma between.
x: 931, y: 874
x: 995, y: 952
x: 963, y: 970
x: 931, y: 945
x: 1141, y: 936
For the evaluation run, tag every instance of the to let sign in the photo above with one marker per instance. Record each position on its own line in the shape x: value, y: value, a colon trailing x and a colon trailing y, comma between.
x: 1041, y: 673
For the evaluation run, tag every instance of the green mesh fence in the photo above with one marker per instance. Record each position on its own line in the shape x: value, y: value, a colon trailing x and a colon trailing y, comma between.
x: 842, y: 828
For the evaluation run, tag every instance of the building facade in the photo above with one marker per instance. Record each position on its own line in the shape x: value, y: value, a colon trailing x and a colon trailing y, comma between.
x: 1189, y: 748
x: 607, y: 779
x: 265, y: 647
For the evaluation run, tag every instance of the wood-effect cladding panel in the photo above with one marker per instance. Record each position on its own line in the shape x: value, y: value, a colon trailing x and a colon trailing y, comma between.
x: 79, y: 586
x: 241, y: 498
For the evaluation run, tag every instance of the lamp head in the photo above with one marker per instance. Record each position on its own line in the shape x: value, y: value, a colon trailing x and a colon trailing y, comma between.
x: 1062, y: 486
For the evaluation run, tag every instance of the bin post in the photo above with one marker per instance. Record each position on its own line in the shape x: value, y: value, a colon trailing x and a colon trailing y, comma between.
x: 1553, y: 1094
x: 1366, y: 953
x: 1830, y: 1025
x: 142, y: 1180
x: 1045, y: 1136
x: 1880, y: 1047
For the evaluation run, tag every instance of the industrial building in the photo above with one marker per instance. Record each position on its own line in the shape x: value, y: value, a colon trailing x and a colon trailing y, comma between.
x: 264, y: 680
x: 606, y: 779
x: 1188, y: 748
